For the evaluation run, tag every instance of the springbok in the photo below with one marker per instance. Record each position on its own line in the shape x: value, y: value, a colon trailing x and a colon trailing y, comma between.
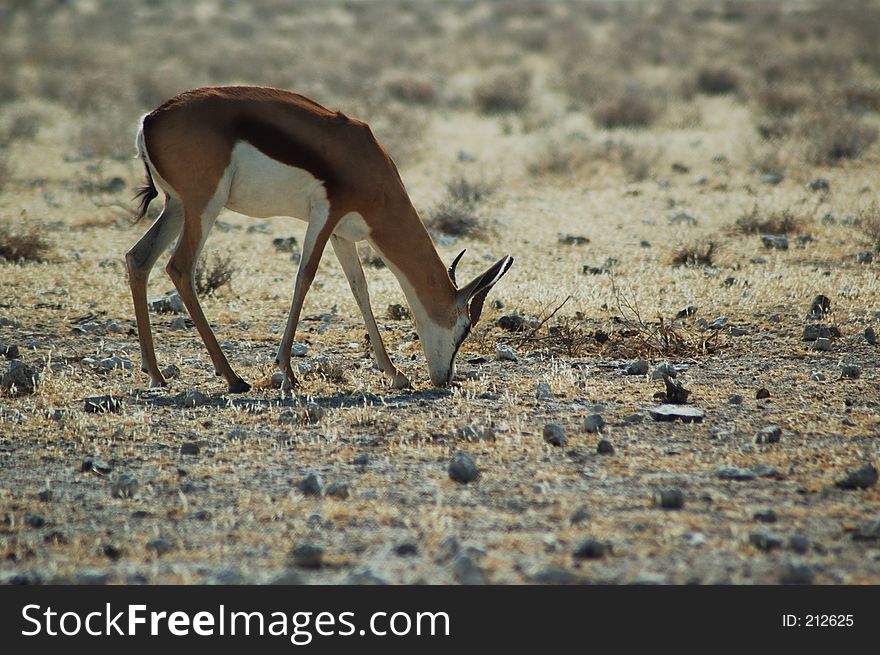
x: 268, y: 152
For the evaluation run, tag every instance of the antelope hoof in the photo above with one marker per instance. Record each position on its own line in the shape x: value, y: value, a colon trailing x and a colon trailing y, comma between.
x: 400, y: 381
x: 239, y: 386
x: 157, y: 381
x: 289, y: 383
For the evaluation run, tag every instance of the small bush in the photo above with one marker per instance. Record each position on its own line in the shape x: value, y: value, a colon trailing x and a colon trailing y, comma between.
x: 212, y: 273
x: 717, y: 80
x: 775, y: 222
x: 869, y: 224
x: 556, y: 159
x: 469, y: 191
x: 697, y: 254
x: 782, y: 100
x: 17, y: 246
x: 411, y: 90
x: 455, y: 219
x: 506, y: 92
x: 833, y: 136
x: 632, y: 107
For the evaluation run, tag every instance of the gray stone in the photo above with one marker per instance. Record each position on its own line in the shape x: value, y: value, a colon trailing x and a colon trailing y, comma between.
x: 311, y: 485
x: 764, y: 540
x: 194, y: 399
x: 125, y: 486
x: 682, y: 218
x: 594, y: 423
x: 171, y: 372
x: 818, y: 376
x: 579, y: 516
x: 506, y: 353
x: 735, y: 399
x: 670, y: 412
x: 867, y: 530
x: 171, y: 302
x: 19, y: 378
x: 307, y: 556
x: 592, y: 549
x: 114, y: 363
x: 364, y: 577
x: 180, y: 324
x: 850, y: 371
x: 771, y: 179
x: 769, y: 434
x: 190, y: 448
x: 543, y: 391
x: 467, y: 572
x: 819, y: 184
x: 775, y: 241
x: 871, y: 335
x: 462, y: 468
x: 860, y: 478
x: 555, y: 435
x: 798, y: 543
x: 103, y: 405
x: 822, y: 344
x: 338, y: 490
x: 475, y: 433
x: 638, y: 367
x: 669, y: 498
x: 605, y: 447
x: 820, y: 307
x: 663, y: 370
x: 161, y: 546
x: 718, y: 323
x: 865, y: 257
x: 796, y: 574
x: 765, y: 516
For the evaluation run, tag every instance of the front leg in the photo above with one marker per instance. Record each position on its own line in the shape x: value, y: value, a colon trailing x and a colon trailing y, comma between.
x: 346, y: 253
x: 320, y: 227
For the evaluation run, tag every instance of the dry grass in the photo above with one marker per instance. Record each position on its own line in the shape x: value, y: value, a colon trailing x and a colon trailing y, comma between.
x: 17, y: 245
x: 758, y: 221
x: 869, y: 224
x: 699, y: 253
x: 213, y: 272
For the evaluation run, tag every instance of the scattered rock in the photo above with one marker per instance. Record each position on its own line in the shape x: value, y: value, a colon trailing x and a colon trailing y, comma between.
x: 579, y: 516
x: 670, y: 498
x: 682, y: 218
x: 512, y: 323
x: 286, y: 244
x: 170, y: 303
x: 865, y: 257
x: 860, y: 478
x: 103, y: 405
x: 161, y: 546
x: 467, y: 572
x: 19, y: 379
x: 181, y: 324
x: 690, y: 310
x: 544, y: 391
x: 592, y: 549
x: 594, y: 423
x: 822, y: 344
x: 798, y: 543
x: 605, y: 447
x: 364, y: 577
x: 171, y: 372
x: 735, y: 399
x: 125, y: 486
x: 867, y: 530
x: 556, y: 576
x: 462, y: 468
x: 195, y: 399
x: 675, y: 392
x: 819, y: 184
x: 95, y: 466
x: 114, y: 363
x: 818, y: 376
x: 638, y: 367
x: 797, y: 574
x: 871, y: 335
x: 762, y: 393
x: 718, y: 323
x: 338, y: 490
x: 850, y: 371
x: 573, y: 240
x: 34, y: 520
x: 397, y: 312
x: 746, y: 474
x: 505, y: 353
x: 406, y: 549
x: 669, y: 412
x: 813, y: 331
x: 771, y: 178
x: 765, y: 541
x: 765, y: 516
x: 475, y: 433
x: 663, y: 370
x: 190, y: 448
x: 770, y: 434
x: 820, y: 307
x: 307, y: 556
x: 555, y: 435
x: 9, y: 350
x: 311, y: 485
x: 775, y: 241
x: 361, y: 461
x: 595, y: 270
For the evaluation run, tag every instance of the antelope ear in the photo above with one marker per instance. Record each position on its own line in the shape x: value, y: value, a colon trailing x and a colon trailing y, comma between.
x: 476, y: 290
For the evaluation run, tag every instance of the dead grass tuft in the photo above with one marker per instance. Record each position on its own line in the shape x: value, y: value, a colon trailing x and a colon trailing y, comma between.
x: 773, y: 222
x: 213, y: 272
x: 833, y: 136
x: 869, y: 224
x: 717, y: 80
x: 27, y: 245
x: 695, y: 254
x: 505, y: 92
x: 633, y: 106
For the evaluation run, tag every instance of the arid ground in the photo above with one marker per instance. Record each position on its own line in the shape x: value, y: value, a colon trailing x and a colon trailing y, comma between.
x: 677, y: 181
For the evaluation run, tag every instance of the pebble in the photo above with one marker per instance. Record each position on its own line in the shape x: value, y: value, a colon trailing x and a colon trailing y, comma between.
x: 181, y: 324
x: 512, y: 323
x: 475, y: 433
x: 871, y: 335
x: 818, y: 376
x: 406, y: 549
x: 594, y: 423
x: 397, y: 312
x: 860, y: 478
x: 822, y: 344
x: 338, y: 490
x: 556, y: 576
x: 638, y: 367
x: 462, y: 468
x: 670, y: 498
x: 592, y: 549
x: 505, y: 353
x: 595, y: 270
x: 171, y: 302
x: 237, y: 434
x: 171, y: 372
x: 579, y: 516
x: 690, y: 310
x: 9, y: 351
x: 771, y: 179
x: 95, y: 466
x: 573, y: 240
x: 669, y: 412
x: 682, y: 218
x: 813, y: 331
x: 797, y: 574
x: 764, y: 541
x: 194, y: 399
x: 765, y: 516
x: 798, y: 543
x: 770, y: 434
x: 114, y: 363
x: 467, y: 572
x: 775, y: 241
x: 307, y: 556
x: 745, y: 474
x: 819, y: 184
x: 34, y: 520
x: 19, y: 378
x: 850, y: 371
x: 125, y: 486
x: 361, y: 460
x: 555, y: 435
x: 663, y: 370
x: 161, y: 546
x: 718, y: 323
x: 865, y: 257
x: 735, y: 399
x: 867, y: 530
x: 762, y: 393
x: 311, y: 485
x: 543, y: 391
x: 604, y: 447
x: 189, y: 448
x: 820, y: 307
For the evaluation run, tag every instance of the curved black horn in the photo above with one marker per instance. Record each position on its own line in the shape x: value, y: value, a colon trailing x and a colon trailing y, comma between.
x: 453, y: 265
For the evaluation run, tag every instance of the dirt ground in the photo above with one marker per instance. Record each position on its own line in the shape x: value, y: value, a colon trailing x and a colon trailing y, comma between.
x: 600, y: 144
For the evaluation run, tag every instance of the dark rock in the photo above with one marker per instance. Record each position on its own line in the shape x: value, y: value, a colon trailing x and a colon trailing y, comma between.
x: 638, y: 367
x: 871, y: 335
x: 735, y: 399
x: 555, y: 435
x: 286, y: 244
x: 860, y: 478
x: 865, y: 257
x: 9, y: 350
x: 663, y: 370
x: 365, y: 577
x: 765, y: 516
x: 556, y: 576
x: 669, y: 412
x: 764, y: 541
x: 338, y: 490
x: 543, y: 391
x: 467, y: 572
x: 171, y: 302
x: 592, y: 549
x: 475, y: 433
x: 850, y: 371
x: 19, y: 379
x: 595, y: 270
x: 103, y: 405
x: 823, y: 344
x: 200, y: 515
x: 307, y: 556
x: 161, y: 546
x: 594, y: 423
x: 34, y: 520
x: 112, y: 551
x: 813, y: 331
x: 867, y: 530
x: 125, y: 486
x: 573, y: 240
x: 675, y: 392
x: 361, y: 460
x: 744, y: 474
x: 775, y: 241
x: 670, y: 498
x: 604, y: 447
x: 95, y: 466
x: 770, y: 434
x: 462, y: 468
x: 512, y: 323
x: 820, y: 307
x: 397, y: 312
x: 194, y: 399
x: 579, y: 516
x: 190, y: 448
x: 682, y: 218
x: 311, y: 485
x: 762, y: 393
x: 797, y: 574
x: 798, y: 543
x: 819, y: 184
x: 406, y: 549
x: 771, y: 178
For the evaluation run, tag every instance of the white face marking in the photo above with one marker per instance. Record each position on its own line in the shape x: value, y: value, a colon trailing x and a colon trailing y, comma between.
x: 264, y: 187
x: 352, y: 227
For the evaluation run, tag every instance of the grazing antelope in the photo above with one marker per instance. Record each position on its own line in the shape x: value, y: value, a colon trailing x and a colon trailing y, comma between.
x: 268, y: 152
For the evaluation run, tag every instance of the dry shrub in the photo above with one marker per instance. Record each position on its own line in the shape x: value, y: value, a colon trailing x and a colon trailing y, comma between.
x: 504, y: 92
x: 555, y: 158
x: 782, y: 100
x: 213, y: 272
x: 832, y: 136
x: 773, y: 222
x: 695, y: 254
x: 411, y: 90
x: 456, y: 219
x: 25, y: 245
x: 869, y: 224
x: 469, y: 191
x: 717, y: 80
x: 862, y: 97
x: 633, y: 106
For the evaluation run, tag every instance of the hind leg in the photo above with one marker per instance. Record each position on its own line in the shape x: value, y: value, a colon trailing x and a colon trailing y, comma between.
x: 140, y: 261
x: 181, y: 270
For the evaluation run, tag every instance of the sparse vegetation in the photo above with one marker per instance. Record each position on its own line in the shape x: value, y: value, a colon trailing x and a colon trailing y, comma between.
x: 869, y: 224
x: 213, y: 272
x: 700, y: 253
x: 504, y: 92
x: 717, y: 80
x: 27, y: 244
x: 633, y: 106
x: 758, y: 221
